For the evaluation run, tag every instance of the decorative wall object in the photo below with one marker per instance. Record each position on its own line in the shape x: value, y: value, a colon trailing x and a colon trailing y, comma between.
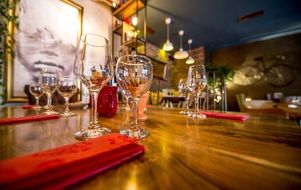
x: 278, y: 51
x: 7, y: 41
x: 198, y: 54
x: 47, y: 37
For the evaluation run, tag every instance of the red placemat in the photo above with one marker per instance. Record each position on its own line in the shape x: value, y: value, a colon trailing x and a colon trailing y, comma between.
x: 64, y: 166
x: 233, y: 116
x: 27, y: 106
x: 13, y: 120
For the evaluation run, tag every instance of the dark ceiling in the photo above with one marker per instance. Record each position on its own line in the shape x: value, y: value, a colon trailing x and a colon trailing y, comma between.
x: 214, y: 23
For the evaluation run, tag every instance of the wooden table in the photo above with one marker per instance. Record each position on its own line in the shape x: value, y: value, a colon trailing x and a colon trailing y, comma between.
x: 291, y: 111
x: 181, y: 153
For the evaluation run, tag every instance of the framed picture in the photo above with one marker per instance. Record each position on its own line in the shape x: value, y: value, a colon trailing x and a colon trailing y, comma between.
x: 47, y: 36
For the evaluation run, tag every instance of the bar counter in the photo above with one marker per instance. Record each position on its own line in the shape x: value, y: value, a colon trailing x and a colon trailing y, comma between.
x: 181, y: 153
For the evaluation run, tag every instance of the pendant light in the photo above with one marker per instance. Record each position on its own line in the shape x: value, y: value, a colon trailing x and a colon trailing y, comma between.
x: 167, y: 46
x: 181, y: 54
x: 189, y: 60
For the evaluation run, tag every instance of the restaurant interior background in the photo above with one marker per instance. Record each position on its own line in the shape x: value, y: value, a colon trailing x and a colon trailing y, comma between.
x: 235, y: 34
x: 250, y: 48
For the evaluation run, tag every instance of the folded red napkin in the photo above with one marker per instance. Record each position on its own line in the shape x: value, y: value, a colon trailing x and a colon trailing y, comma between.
x: 27, y: 106
x: 13, y: 120
x: 64, y: 166
x: 239, y: 117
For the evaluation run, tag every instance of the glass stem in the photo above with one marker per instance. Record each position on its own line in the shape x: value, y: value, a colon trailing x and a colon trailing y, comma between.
x: 134, y: 107
x: 37, y: 101
x: 67, y: 104
x: 196, y: 103
x: 94, y: 120
x: 187, y: 102
x: 49, y: 101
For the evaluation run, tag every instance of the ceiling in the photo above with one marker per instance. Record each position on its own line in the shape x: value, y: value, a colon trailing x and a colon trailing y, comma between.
x: 214, y: 23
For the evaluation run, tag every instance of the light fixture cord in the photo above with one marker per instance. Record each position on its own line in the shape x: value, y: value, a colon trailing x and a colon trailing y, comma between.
x: 167, y: 32
x: 136, y: 14
x: 181, y: 42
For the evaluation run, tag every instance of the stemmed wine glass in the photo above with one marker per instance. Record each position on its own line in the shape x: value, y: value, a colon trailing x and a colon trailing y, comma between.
x: 93, y: 66
x: 66, y: 87
x: 183, y: 89
x: 134, y: 75
x: 47, y: 80
x: 37, y: 91
x: 197, y: 82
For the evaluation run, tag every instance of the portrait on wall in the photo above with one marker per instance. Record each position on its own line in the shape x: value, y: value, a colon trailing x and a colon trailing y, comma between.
x: 47, y: 36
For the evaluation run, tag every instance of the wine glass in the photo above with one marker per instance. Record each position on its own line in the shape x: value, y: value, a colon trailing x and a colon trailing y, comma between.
x: 93, y: 66
x: 183, y: 89
x: 47, y: 80
x: 66, y: 87
x: 134, y: 75
x: 197, y: 82
x: 37, y: 91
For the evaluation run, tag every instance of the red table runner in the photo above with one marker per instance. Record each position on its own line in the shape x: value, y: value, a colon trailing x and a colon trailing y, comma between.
x: 12, y: 120
x: 233, y: 116
x: 61, y: 167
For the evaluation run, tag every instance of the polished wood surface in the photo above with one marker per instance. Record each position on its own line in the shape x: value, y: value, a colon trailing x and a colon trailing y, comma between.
x: 294, y: 109
x: 181, y: 153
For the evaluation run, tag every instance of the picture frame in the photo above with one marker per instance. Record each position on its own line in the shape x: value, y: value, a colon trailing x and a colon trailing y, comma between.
x: 47, y: 36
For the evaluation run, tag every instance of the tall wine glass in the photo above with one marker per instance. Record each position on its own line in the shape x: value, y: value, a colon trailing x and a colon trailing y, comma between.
x: 134, y: 75
x: 47, y: 80
x: 67, y: 87
x: 37, y: 91
x: 183, y: 89
x: 197, y: 81
x: 93, y: 67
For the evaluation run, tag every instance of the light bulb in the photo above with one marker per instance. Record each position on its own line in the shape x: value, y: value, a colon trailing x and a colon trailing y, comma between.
x: 134, y: 21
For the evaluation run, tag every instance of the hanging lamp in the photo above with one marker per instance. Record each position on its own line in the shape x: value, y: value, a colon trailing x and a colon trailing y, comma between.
x: 167, y: 46
x: 181, y: 54
x: 189, y: 60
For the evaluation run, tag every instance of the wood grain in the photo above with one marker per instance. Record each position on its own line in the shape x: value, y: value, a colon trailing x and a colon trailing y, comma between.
x: 181, y: 153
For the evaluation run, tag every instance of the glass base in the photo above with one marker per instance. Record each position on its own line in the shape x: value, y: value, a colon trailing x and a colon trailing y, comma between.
x: 134, y: 132
x: 50, y: 112
x: 91, y: 133
x: 198, y: 115
x: 46, y: 107
x: 186, y: 112
x: 37, y: 107
x: 67, y: 114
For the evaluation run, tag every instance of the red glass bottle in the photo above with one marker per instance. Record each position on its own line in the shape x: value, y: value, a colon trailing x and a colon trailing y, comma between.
x: 107, y: 101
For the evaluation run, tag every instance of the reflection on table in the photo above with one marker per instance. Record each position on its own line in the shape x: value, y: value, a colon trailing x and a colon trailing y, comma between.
x: 181, y: 153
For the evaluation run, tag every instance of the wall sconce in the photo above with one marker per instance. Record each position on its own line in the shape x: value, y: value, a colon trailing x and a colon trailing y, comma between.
x: 181, y: 54
x: 189, y: 60
x: 167, y: 46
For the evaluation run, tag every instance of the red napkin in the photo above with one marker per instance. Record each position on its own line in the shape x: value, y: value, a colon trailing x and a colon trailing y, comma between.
x: 64, y: 166
x: 13, y: 120
x: 27, y: 106
x: 239, y: 117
